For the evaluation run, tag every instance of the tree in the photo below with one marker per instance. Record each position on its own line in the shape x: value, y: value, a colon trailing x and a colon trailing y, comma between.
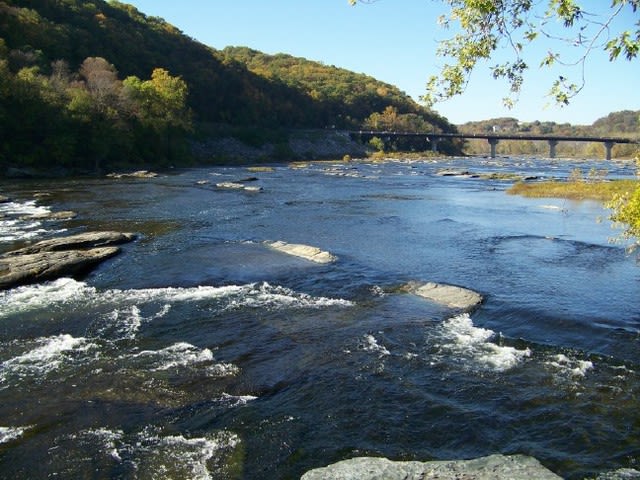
x: 489, y: 27
x: 160, y: 104
x: 626, y: 210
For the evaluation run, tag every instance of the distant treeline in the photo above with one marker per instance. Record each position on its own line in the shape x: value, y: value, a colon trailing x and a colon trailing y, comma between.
x: 624, y: 124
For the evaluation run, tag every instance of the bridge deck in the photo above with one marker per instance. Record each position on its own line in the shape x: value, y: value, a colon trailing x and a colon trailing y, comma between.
x: 494, y: 136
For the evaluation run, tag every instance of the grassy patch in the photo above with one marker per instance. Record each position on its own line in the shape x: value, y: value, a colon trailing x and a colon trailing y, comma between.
x: 575, y: 190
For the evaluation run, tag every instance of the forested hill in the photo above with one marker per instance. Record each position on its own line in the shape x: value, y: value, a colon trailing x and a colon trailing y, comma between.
x: 623, y: 124
x: 89, y: 84
x: 340, y: 92
x: 617, y: 124
x: 221, y: 87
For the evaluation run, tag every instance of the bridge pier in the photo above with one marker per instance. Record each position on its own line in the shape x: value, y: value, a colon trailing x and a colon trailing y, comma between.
x: 434, y: 144
x: 609, y: 146
x: 552, y: 148
x: 493, y: 142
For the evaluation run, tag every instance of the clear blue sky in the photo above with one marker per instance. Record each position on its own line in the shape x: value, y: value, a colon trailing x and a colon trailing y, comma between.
x: 395, y: 41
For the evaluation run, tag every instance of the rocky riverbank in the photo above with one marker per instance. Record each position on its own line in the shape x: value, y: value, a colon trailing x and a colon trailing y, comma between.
x: 299, y: 145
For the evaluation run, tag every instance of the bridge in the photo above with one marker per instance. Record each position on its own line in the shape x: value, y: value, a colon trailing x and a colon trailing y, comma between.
x: 493, y: 139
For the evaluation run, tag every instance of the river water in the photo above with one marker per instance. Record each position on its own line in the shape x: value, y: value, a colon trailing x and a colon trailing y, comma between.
x: 201, y: 353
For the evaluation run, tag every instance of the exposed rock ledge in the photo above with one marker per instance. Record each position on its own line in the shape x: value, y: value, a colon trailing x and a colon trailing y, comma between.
x: 138, y: 174
x: 58, y: 257
x: 494, y: 467
x: 307, y: 252
x: 447, y: 295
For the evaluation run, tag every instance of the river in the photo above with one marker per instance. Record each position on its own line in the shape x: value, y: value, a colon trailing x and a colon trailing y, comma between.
x: 199, y: 353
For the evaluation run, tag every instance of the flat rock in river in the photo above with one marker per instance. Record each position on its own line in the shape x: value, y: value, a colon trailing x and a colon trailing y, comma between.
x: 59, y: 257
x: 37, y: 267
x: 447, y: 295
x: 307, y: 252
x: 74, y: 242
x: 494, y: 467
x: 63, y: 215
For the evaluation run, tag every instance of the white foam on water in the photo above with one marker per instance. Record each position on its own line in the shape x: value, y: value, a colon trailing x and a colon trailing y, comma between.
x: 126, y: 322
x: 28, y: 208
x: 184, y: 355
x: 177, y: 355
x: 64, y: 291
x: 15, y: 223
x: 170, y: 294
x: 223, y: 370
x: 110, y: 440
x: 370, y: 344
x: 156, y: 456
x: 44, y: 296
x: 264, y: 295
x: 181, y: 457
x: 459, y: 338
x: 49, y: 354
x: 237, y: 400
x: 9, y: 434
x: 568, y: 369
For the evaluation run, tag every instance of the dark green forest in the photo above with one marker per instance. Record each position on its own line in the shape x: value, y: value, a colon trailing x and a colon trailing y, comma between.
x: 90, y: 86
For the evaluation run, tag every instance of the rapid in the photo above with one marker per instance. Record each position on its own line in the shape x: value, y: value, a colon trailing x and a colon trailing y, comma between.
x: 200, y: 353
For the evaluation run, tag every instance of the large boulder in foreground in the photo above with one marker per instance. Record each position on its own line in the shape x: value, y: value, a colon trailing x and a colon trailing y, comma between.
x: 494, y: 467
x: 447, y: 295
x: 307, y: 252
x: 59, y: 257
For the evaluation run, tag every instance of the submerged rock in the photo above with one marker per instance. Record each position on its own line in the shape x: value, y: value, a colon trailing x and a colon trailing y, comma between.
x: 447, y: 295
x: 230, y: 185
x: 138, y: 174
x: 307, y: 252
x: 453, y: 173
x: 59, y: 257
x: 239, y: 186
x: 62, y: 215
x: 494, y: 467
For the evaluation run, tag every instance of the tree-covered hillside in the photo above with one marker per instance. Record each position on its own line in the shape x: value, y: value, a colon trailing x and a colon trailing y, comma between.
x: 39, y: 32
x: 224, y: 86
x: 346, y: 97
x: 624, y: 124
x: 617, y: 124
x: 71, y: 70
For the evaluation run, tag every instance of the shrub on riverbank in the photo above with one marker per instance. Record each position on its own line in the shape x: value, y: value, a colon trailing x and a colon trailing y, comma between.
x: 603, y: 191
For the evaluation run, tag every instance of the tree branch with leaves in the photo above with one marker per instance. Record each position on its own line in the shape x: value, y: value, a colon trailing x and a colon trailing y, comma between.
x: 492, y: 28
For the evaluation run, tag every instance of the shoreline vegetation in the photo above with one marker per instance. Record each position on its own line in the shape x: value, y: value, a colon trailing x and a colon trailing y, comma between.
x: 621, y: 196
x: 599, y: 190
